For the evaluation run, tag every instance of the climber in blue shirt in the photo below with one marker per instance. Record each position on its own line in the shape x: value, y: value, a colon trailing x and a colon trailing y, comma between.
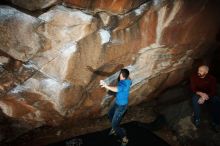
x: 118, y: 109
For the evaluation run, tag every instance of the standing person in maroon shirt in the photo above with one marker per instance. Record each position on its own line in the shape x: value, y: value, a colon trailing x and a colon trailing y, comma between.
x: 203, y: 86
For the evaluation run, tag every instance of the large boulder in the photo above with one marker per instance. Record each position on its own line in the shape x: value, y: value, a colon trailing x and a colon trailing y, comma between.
x: 72, y: 50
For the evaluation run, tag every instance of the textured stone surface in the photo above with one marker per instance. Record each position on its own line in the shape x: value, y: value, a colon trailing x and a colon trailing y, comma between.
x: 69, y: 51
x: 61, y: 39
x: 34, y: 4
x: 119, y: 6
x: 18, y: 36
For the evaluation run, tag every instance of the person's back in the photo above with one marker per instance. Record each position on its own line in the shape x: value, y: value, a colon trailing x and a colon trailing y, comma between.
x: 123, y: 92
x: 118, y: 109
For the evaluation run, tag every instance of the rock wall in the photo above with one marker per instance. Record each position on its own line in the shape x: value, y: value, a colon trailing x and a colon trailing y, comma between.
x: 51, y: 63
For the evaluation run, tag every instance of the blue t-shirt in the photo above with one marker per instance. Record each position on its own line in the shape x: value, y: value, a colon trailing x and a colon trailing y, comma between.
x: 123, y: 92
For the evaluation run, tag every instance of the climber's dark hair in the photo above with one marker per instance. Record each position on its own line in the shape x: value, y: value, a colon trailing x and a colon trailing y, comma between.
x: 125, y: 73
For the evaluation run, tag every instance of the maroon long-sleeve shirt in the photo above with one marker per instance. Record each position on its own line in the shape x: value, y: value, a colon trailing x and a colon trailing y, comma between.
x: 206, y: 85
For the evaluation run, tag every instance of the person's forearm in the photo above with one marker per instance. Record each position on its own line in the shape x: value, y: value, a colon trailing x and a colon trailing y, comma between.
x: 199, y: 93
x: 203, y: 95
x: 114, y: 89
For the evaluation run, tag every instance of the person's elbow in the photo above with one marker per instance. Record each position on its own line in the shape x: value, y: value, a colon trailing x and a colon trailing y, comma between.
x: 113, y: 89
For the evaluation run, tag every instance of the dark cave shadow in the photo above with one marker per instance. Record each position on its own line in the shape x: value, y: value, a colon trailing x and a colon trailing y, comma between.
x: 139, y: 134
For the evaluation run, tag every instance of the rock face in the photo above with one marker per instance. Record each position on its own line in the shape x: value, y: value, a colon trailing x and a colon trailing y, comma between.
x: 34, y: 4
x: 17, y: 33
x: 51, y: 64
x: 112, y: 6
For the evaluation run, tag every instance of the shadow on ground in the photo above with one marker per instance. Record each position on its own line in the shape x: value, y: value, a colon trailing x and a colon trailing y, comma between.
x: 138, y: 135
